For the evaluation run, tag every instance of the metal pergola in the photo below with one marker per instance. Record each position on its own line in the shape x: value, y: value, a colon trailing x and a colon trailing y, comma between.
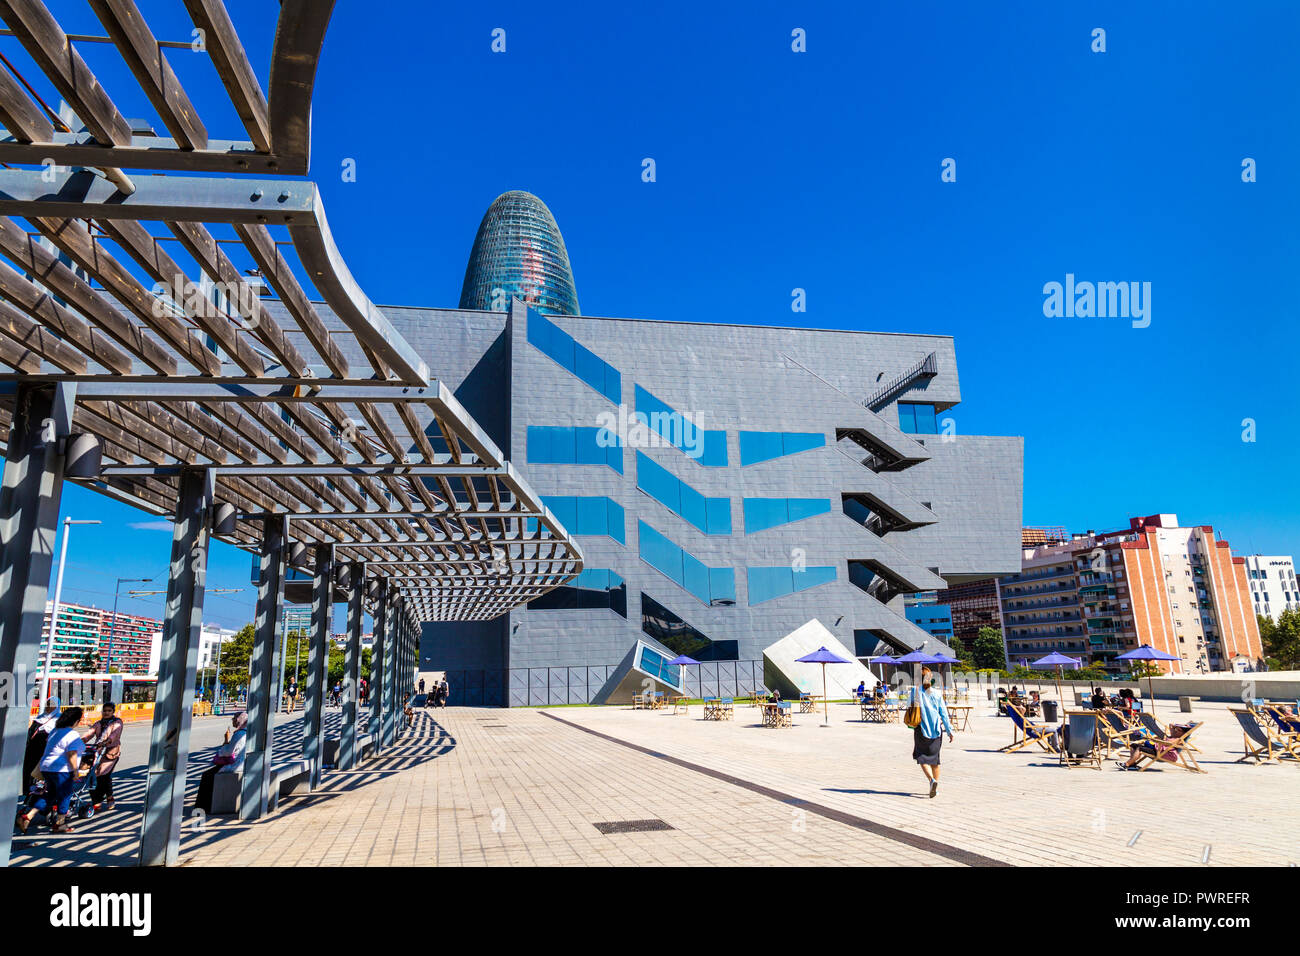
x: 140, y: 357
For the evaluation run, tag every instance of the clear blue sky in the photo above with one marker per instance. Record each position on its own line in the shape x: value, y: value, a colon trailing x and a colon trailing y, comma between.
x: 821, y: 170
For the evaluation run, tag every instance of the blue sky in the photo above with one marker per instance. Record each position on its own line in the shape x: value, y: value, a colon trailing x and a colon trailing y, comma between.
x: 821, y: 170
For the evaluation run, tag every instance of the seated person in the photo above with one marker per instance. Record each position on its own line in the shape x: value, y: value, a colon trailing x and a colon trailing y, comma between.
x: 1099, y: 699
x: 774, y: 697
x: 861, y: 690
x: 1032, y: 704
x: 1125, y: 702
x: 1152, y: 747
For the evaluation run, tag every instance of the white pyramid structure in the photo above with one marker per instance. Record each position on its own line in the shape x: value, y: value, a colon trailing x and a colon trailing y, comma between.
x: 781, y: 670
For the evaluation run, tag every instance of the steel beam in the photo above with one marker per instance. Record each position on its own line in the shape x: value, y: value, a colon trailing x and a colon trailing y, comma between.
x: 169, y: 744
x: 241, y: 388
x: 293, y: 203
x: 29, y: 516
x: 304, y: 470
x: 149, y: 152
x: 352, y: 669
x: 322, y: 617
x: 263, y: 694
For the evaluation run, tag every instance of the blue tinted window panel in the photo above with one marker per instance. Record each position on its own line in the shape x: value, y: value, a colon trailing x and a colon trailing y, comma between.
x: 715, y: 450
x: 759, y: 446
x: 693, y: 507
x: 794, y: 442
x: 659, y: 483
x: 588, y: 450
x: 565, y: 510
x: 765, y: 584
x: 695, y: 577
x: 812, y: 577
x: 807, y: 507
x: 616, y: 521
x: 719, y: 515
x: 764, y: 513
x: 660, y: 553
x: 613, y: 385
x: 539, y: 444
x: 907, y: 418
x: 614, y: 457
x: 589, y: 367
x: 722, y: 584
x: 591, y: 516
x: 925, y: 420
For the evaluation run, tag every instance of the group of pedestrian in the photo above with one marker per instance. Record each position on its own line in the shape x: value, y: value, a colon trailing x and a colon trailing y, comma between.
x: 56, y: 755
x: 438, y: 694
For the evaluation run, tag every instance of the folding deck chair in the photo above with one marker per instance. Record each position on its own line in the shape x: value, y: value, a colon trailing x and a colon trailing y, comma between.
x: 1269, y: 745
x: 1116, y: 733
x: 1045, y: 737
x: 1081, y: 743
x: 1288, y: 727
x: 1154, y: 728
x: 1166, y: 749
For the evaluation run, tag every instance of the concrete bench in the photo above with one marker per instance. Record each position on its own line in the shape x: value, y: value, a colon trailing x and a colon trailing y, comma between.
x: 225, y: 793
x: 285, y: 780
x: 364, y: 747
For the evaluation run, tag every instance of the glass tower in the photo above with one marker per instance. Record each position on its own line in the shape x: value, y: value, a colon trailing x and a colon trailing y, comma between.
x: 519, y: 253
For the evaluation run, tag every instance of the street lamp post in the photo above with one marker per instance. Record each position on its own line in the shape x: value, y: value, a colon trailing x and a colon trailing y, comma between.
x: 54, y: 609
x: 112, y: 628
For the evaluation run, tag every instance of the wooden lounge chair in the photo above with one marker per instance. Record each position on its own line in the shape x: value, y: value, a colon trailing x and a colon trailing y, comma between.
x: 1154, y: 728
x: 1167, y: 749
x: 1081, y: 744
x: 1116, y: 732
x: 1034, y: 733
x: 1270, y: 746
x: 1288, y: 727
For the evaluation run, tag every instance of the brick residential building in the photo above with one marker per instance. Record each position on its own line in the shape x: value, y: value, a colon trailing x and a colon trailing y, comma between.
x: 1099, y: 595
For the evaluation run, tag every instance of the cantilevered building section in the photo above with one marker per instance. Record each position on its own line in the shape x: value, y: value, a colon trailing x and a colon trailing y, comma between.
x: 1096, y: 596
x: 519, y: 254
x: 728, y: 484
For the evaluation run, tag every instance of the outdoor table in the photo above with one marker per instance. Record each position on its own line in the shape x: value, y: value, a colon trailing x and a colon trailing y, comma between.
x: 718, y: 709
x: 777, y: 715
x: 679, y: 705
x: 808, y: 703
x: 960, y: 716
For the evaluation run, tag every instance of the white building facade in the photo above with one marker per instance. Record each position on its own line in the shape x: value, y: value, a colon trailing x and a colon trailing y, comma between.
x: 1273, y: 587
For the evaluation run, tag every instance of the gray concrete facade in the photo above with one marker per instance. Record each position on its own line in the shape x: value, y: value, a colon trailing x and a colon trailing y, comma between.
x: 958, y: 495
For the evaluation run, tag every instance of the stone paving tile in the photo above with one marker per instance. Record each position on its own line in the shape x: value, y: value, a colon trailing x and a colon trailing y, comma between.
x: 530, y: 794
x: 1023, y: 808
x: 457, y: 793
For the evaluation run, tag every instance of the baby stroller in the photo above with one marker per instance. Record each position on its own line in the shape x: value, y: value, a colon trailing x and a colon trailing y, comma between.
x: 80, y: 805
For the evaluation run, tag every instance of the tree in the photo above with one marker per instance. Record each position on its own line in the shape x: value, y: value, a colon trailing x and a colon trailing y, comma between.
x: 88, y: 663
x: 1281, y: 640
x: 234, y: 656
x: 962, y: 653
x: 1143, y: 669
x: 989, y: 650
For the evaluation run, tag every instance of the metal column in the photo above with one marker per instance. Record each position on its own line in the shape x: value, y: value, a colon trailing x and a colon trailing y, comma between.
x: 377, y: 655
x: 256, y: 786
x: 29, y: 517
x: 169, y: 744
x: 322, y: 616
x: 393, y: 635
x: 352, y: 668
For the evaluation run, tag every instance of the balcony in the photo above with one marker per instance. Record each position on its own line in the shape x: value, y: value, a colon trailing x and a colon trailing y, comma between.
x: 1040, y: 575
x: 1057, y: 589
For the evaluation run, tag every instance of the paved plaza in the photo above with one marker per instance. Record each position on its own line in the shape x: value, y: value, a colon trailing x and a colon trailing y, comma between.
x: 470, y: 786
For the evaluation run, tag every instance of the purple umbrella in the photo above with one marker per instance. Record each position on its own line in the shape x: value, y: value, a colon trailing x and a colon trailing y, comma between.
x: 823, y: 657
x: 1058, y: 661
x: 682, y: 660
x: 1147, y: 653
x: 882, y: 659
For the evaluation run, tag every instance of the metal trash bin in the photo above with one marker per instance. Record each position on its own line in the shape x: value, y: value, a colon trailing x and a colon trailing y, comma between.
x: 1050, y: 712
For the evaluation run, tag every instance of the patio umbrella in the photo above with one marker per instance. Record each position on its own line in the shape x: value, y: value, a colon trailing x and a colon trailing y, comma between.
x: 918, y: 657
x: 881, y: 659
x: 1058, y: 661
x: 682, y: 660
x: 823, y: 657
x: 1147, y: 653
